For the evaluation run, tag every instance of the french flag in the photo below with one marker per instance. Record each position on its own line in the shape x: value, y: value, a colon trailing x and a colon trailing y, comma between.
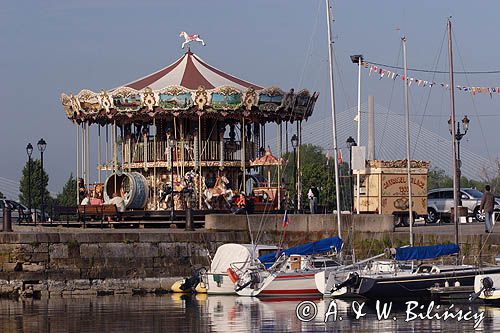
x: 286, y: 221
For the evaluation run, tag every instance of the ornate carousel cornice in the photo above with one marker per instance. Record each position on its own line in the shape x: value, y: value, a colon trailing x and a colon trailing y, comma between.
x: 125, y: 104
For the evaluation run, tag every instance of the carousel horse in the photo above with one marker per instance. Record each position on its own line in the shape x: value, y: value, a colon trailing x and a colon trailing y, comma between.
x: 220, y: 190
x: 165, y: 194
x: 190, y: 38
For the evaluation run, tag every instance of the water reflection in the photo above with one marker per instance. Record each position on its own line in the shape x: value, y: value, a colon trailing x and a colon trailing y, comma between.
x: 199, y: 313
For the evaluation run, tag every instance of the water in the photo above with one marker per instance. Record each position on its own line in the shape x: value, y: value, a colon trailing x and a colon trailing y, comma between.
x: 202, y: 313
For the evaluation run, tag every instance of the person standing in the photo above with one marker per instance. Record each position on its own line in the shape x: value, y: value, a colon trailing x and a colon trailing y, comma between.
x: 487, y: 206
x: 313, y: 195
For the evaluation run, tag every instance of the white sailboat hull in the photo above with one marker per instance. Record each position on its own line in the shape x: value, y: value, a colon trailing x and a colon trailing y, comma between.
x: 285, y: 284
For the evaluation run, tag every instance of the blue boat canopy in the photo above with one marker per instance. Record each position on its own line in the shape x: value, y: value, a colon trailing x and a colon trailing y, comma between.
x: 321, y: 246
x: 426, y: 252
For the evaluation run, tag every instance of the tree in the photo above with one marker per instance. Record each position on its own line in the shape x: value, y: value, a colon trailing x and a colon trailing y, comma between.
x: 68, y: 195
x: 316, y: 170
x: 437, y: 178
x: 39, y: 179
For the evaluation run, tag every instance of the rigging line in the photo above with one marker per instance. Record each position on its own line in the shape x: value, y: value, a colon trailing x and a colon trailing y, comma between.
x: 342, y: 86
x: 438, y: 57
x: 389, y: 106
x: 472, y: 98
x: 434, y: 71
x: 310, y: 46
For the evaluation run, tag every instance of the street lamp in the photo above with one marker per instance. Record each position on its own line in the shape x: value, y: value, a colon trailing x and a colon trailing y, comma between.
x: 171, y: 147
x: 351, y: 143
x: 458, y: 136
x: 295, y: 143
x: 29, y: 151
x: 41, y: 147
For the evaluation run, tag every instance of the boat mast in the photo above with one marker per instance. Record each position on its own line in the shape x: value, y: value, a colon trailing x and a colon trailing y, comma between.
x: 408, y: 161
x: 456, y: 181
x: 334, y: 126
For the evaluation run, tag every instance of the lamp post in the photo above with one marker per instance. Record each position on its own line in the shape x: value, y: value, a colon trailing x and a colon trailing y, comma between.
x: 458, y: 136
x: 41, y: 147
x: 171, y: 147
x: 29, y: 151
x: 295, y: 143
x: 351, y: 143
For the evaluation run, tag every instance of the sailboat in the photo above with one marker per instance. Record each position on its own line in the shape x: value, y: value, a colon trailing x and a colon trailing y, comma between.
x: 417, y: 283
x: 291, y: 271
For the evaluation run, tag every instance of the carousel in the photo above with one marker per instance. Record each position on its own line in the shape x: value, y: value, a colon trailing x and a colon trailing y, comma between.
x: 186, y: 128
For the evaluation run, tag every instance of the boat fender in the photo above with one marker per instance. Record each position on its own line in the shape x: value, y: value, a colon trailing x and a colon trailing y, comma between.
x: 232, y: 275
x: 446, y: 284
x: 457, y: 283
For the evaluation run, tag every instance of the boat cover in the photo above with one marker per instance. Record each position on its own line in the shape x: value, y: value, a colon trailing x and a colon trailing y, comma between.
x: 228, y: 254
x: 425, y: 252
x: 321, y: 246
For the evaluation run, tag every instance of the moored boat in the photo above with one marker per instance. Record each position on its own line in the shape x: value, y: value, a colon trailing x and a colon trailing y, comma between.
x: 292, y: 274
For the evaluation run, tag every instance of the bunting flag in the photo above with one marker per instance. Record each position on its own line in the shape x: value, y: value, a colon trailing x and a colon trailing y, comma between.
x: 390, y: 74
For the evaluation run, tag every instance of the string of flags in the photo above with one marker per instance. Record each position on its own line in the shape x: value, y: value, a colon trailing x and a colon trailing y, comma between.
x: 385, y: 73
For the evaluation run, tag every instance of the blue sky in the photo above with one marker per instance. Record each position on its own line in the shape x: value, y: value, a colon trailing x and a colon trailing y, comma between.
x: 50, y: 47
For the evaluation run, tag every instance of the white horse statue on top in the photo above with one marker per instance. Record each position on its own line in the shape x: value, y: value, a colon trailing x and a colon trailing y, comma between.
x: 190, y: 38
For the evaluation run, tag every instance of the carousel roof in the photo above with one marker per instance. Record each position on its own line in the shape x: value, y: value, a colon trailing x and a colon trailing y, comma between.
x: 191, y: 72
x: 267, y: 160
x: 189, y: 87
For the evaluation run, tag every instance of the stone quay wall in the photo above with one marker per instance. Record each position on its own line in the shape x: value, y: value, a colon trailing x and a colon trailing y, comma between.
x: 58, y: 261
x: 49, y: 262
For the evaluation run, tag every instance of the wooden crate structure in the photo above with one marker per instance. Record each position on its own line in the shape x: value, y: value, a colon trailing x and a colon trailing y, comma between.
x: 384, y: 187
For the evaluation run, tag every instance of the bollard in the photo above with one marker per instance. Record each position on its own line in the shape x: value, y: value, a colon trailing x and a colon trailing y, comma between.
x: 7, y: 219
x: 189, y: 219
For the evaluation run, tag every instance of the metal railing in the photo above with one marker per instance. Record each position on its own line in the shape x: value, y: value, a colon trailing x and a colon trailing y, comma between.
x: 210, y: 151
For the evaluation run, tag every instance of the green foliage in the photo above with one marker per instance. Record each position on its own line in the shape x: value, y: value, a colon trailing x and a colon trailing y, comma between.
x: 68, y: 195
x: 39, y: 181
x: 437, y: 178
x: 315, y: 170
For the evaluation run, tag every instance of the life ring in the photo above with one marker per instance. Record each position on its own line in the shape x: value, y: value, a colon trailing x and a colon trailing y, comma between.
x: 232, y: 275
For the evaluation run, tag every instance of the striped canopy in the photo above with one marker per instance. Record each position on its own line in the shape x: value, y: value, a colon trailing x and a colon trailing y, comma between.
x: 186, y: 88
x: 191, y: 72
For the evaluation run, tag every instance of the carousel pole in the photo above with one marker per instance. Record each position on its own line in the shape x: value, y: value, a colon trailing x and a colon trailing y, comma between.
x: 286, y: 137
x: 181, y: 130
x: 77, y: 164
x: 84, y: 174
x: 199, y: 161
x: 154, y: 165
x: 243, y: 151
x: 107, y: 154
x: 99, y: 153
x: 115, y: 154
x: 279, y: 165
x: 87, y: 152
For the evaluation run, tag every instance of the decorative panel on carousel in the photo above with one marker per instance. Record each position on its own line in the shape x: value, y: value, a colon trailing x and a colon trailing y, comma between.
x: 175, y: 98
x: 127, y: 99
x: 270, y: 99
x: 226, y: 98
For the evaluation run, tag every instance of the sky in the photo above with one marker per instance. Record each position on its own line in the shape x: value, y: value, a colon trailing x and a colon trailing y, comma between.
x: 50, y: 47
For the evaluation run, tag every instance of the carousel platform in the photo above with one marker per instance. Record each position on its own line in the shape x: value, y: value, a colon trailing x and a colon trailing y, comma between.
x: 129, y: 219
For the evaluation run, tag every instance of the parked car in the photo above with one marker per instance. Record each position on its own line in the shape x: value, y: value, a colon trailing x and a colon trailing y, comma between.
x: 440, y: 202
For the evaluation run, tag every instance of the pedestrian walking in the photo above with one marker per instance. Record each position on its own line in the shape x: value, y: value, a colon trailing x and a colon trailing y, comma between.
x: 487, y: 206
x: 313, y: 196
